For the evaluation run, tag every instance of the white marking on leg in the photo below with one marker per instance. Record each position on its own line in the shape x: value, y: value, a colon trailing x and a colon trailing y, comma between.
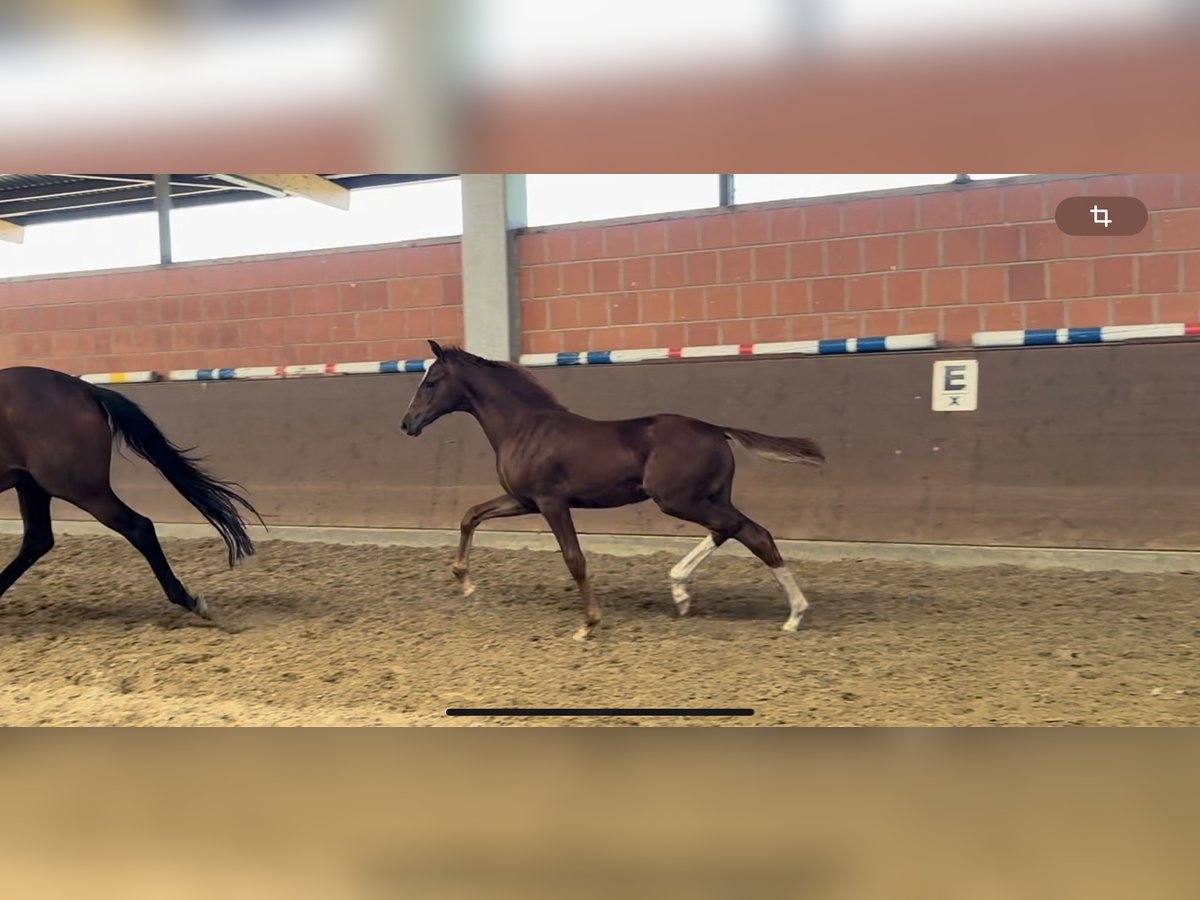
x: 683, y: 570
x: 795, y: 597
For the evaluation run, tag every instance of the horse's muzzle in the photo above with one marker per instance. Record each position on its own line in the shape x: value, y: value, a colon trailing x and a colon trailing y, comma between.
x: 410, y: 427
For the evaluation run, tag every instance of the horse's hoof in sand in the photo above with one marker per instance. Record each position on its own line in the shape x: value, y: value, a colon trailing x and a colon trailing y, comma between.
x: 468, y: 587
x: 683, y: 600
x: 201, y: 609
x: 584, y: 632
x: 791, y: 626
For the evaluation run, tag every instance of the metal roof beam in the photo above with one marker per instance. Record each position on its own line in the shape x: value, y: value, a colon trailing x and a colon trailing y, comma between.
x: 312, y: 187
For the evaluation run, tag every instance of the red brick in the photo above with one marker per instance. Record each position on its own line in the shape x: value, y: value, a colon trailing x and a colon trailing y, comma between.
x: 866, y: 292
x: 771, y: 263
x: 905, y: 289
x: 960, y: 247
x: 689, y: 304
x: 881, y: 253
x: 593, y: 311
x: 352, y: 300
x: 1055, y: 192
x: 670, y: 335
x: 807, y: 259
x: 703, y: 334
x: 1089, y: 313
x: 737, y: 331
x: 1157, y: 191
x: 920, y: 251
x: 1093, y: 246
x: 419, y: 322
x: 652, y: 238
x: 576, y: 341
x: 682, y: 234
x: 656, y: 306
x: 1191, y: 272
x: 1112, y: 275
x: 737, y: 265
x: 1051, y: 314
x: 702, y: 267
x: 1106, y: 186
x: 944, y: 287
x: 577, y: 277
x: 637, y: 274
x: 606, y: 338
x: 1133, y: 311
x: 862, y: 217
x: 721, y: 301
x: 753, y: 227
x: 987, y: 284
x: 547, y: 281
x: 606, y: 276
x: 1179, y: 308
x: 881, y: 324
x: 589, y: 243
x: 448, y: 323
x: 844, y: 257
x: 1177, y: 230
x: 769, y: 330
x: 620, y: 241
x: 564, y: 312
x: 940, y: 210
x: 544, y: 342
x: 1027, y: 282
x: 1002, y: 244
x: 1022, y: 202
x: 1159, y: 274
x: 981, y: 206
x: 757, y: 300
x: 1004, y: 317
x: 959, y: 323
x: 328, y: 297
x: 807, y: 328
x: 452, y: 290
x: 368, y: 326
x: 560, y: 246
x: 531, y: 249
x: 716, y: 232
x: 829, y: 295
x: 669, y: 271
x: 524, y: 285
x: 787, y: 225
x: 1043, y: 240
x: 1189, y: 189
x: 792, y: 298
x: 899, y: 213
x: 1071, y: 278
x: 824, y: 221
x: 844, y: 325
x: 280, y: 303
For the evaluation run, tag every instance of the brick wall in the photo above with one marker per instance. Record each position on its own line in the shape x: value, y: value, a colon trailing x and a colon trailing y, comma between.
x: 380, y: 303
x: 947, y: 260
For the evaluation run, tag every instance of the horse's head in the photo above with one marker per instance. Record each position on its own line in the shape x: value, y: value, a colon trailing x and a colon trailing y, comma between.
x: 441, y: 391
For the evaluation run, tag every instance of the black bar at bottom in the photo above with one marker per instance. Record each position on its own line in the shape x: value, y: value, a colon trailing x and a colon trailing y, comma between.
x: 607, y: 711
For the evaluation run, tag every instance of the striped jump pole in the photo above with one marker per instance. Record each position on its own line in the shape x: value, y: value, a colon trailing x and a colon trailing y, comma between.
x: 781, y: 348
x: 247, y: 373
x: 1042, y: 337
x: 121, y: 377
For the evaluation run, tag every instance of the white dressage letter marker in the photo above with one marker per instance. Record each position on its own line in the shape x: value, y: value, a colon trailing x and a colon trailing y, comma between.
x: 956, y: 385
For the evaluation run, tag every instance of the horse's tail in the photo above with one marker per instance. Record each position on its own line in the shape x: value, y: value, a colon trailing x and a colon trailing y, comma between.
x: 216, y: 500
x: 780, y: 449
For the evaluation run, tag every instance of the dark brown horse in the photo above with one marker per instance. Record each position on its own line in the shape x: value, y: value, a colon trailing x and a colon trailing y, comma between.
x: 551, y: 460
x: 56, y: 437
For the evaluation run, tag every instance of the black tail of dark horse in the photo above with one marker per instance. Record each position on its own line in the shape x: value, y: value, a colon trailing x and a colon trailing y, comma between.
x: 216, y: 500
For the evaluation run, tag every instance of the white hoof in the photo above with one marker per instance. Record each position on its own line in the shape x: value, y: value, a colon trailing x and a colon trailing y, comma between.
x: 791, y: 625
x: 683, y: 600
x: 468, y: 587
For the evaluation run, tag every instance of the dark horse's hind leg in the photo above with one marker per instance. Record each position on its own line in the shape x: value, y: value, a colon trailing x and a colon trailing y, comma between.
x: 558, y: 515
x: 725, y: 521
x: 39, y: 535
x: 109, y: 510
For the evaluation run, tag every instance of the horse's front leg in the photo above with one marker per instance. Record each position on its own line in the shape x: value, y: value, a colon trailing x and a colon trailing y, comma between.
x: 558, y: 515
x: 500, y: 507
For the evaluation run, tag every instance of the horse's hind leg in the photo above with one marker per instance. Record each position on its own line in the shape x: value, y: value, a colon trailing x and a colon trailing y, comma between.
x: 759, y: 542
x: 683, y: 570
x: 109, y: 510
x: 558, y: 515
x: 39, y: 535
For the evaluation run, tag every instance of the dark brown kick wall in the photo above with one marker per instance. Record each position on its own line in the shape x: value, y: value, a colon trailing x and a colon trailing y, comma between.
x: 1088, y: 446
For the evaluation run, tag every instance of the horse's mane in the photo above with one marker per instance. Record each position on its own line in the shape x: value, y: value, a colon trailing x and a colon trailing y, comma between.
x: 517, y: 379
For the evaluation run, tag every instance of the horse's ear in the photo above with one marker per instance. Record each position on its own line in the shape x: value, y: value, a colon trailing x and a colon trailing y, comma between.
x: 437, y: 349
